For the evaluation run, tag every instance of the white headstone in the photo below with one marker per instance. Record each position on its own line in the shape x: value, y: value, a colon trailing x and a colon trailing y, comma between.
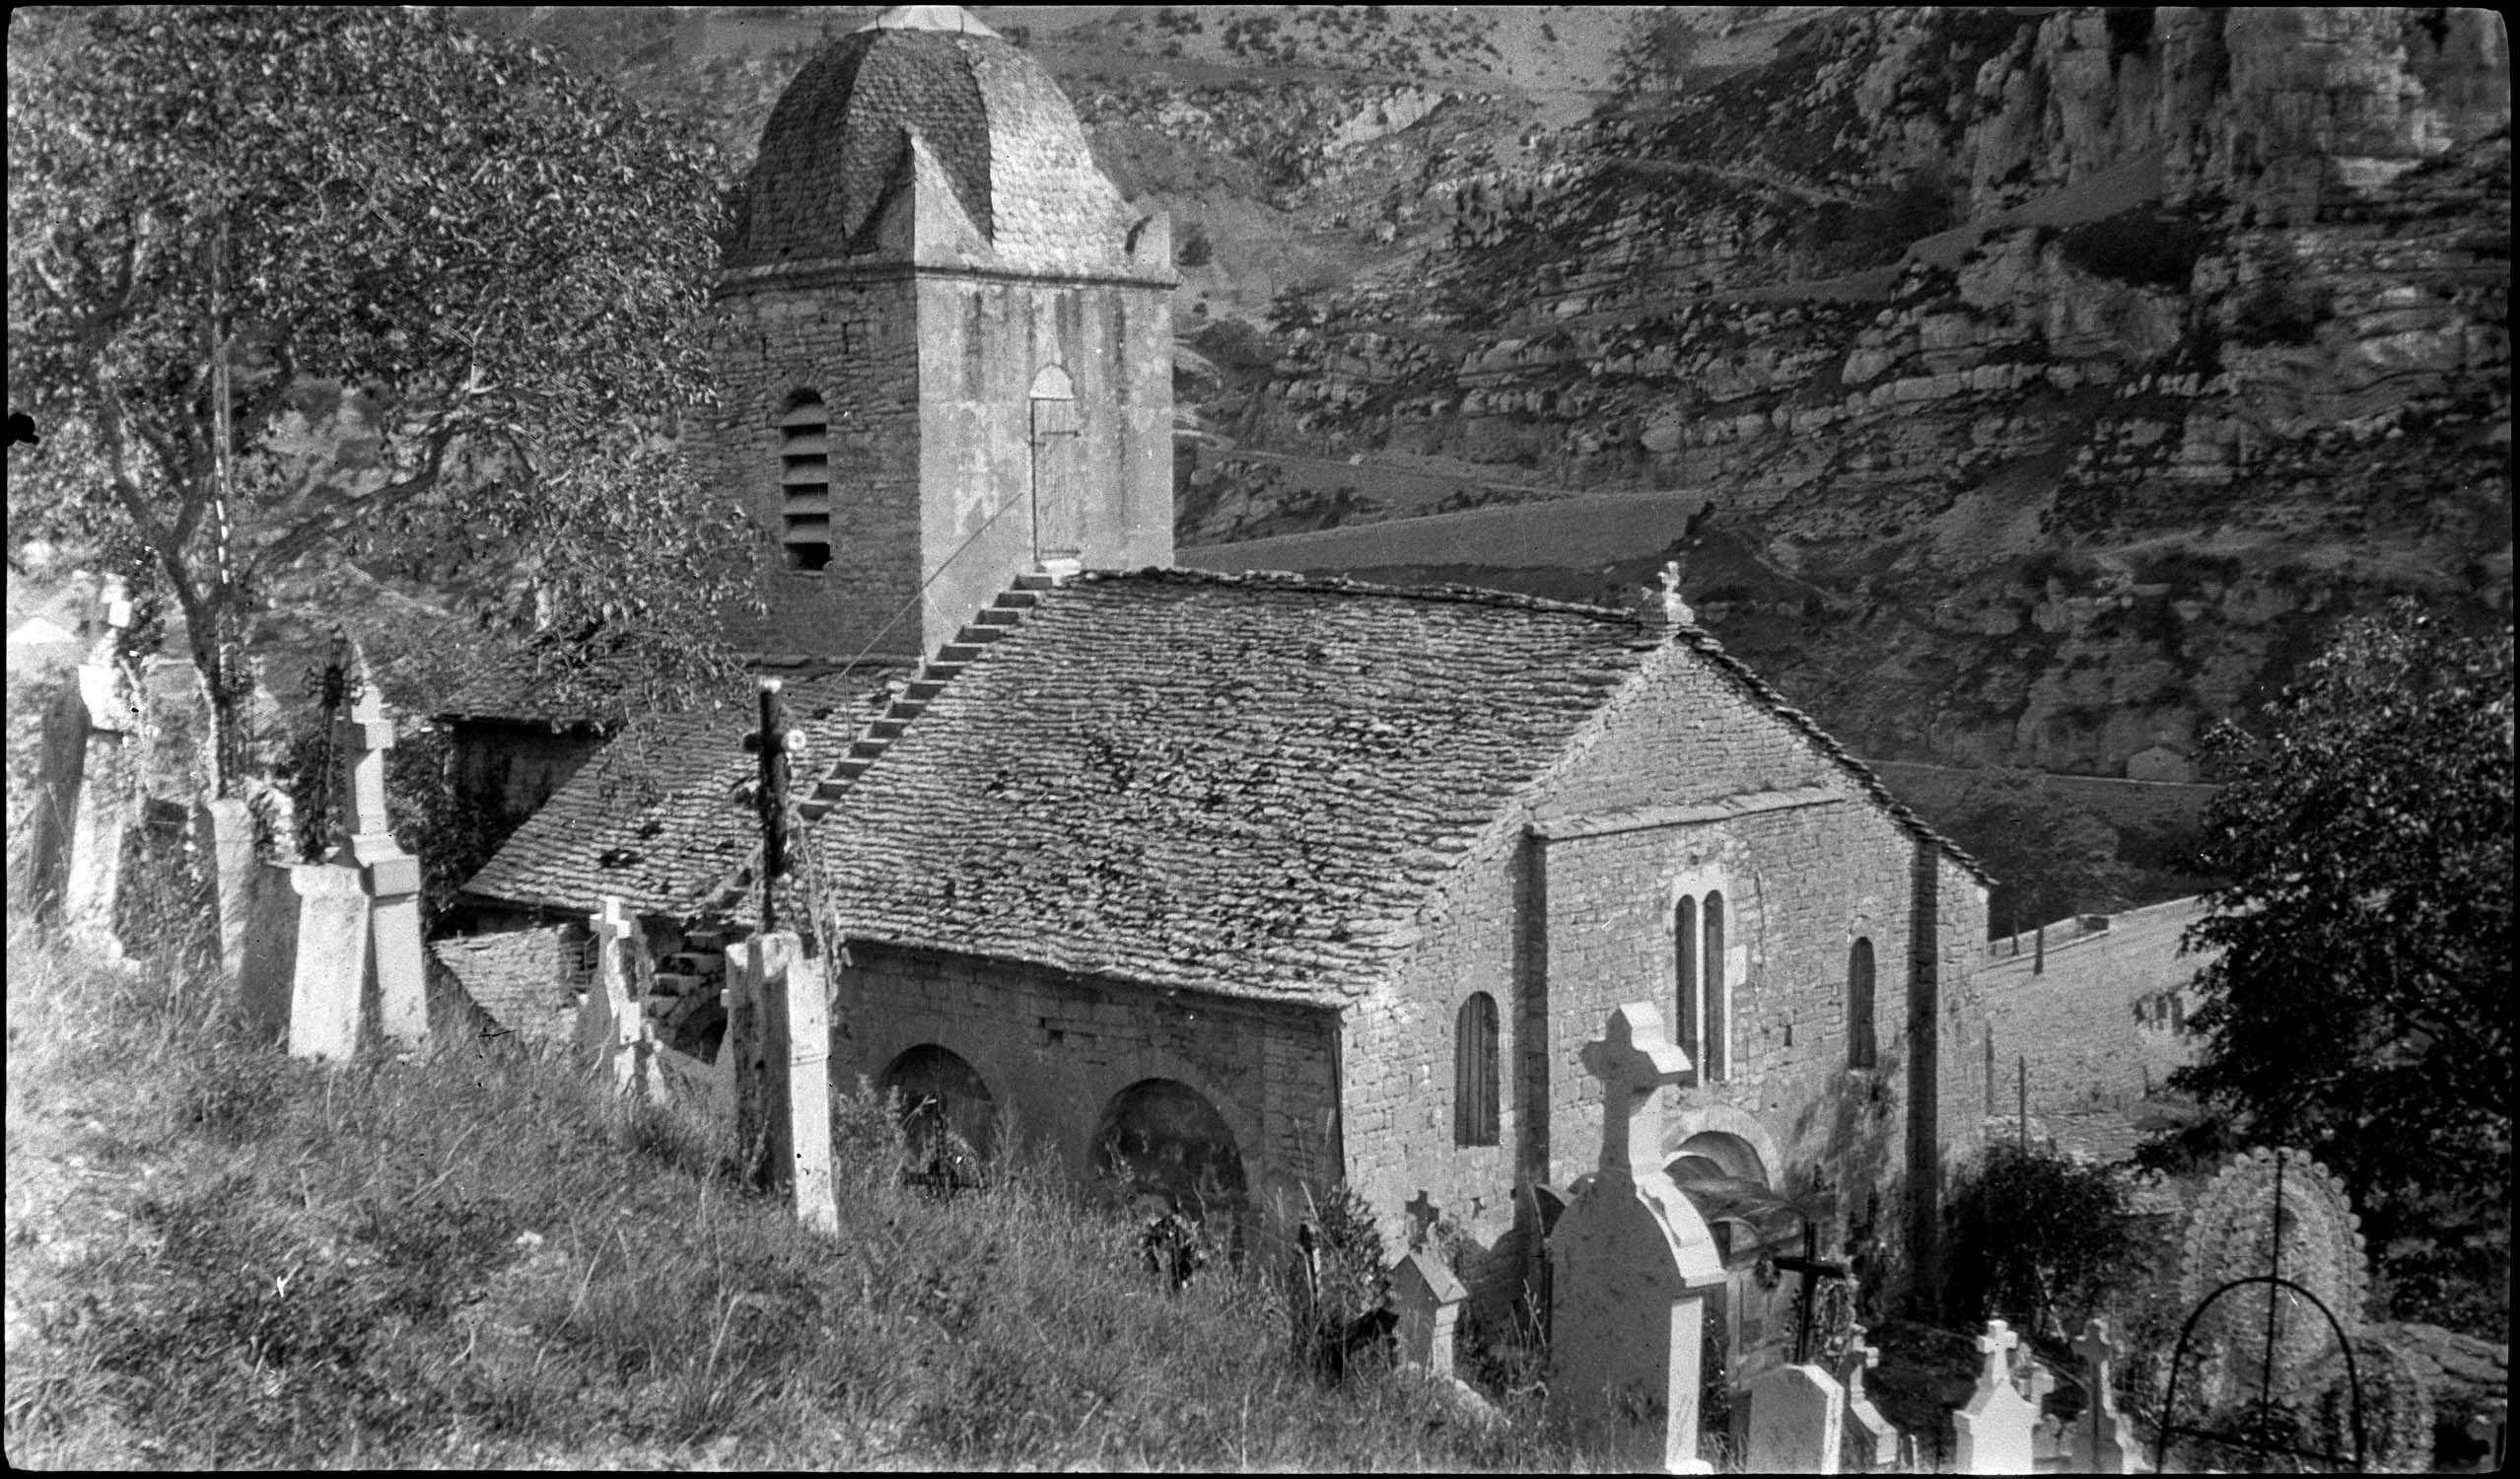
x: 1427, y: 1299
x: 1631, y: 1264
x: 223, y: 833
x: 1994, y: 1428
x: 389, y: 876
x: 1797, y: 1422
x: 325, y: 980
x: 779, y: 1029
x: 613, y: 1026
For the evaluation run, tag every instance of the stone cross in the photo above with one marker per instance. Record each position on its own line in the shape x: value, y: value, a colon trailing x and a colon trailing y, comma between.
x: 1634, y: 1060
x: 91, y: 784
x: 779, y: 1030
x: 1631, y: 1263
x: 2107, y: 1442
x: 1994, y: 1428
x: 389, y: 876
x: 611, y: 1025
x: 1423, y: 1215
x: 1871, y: 1443
x: 1428, y: 1300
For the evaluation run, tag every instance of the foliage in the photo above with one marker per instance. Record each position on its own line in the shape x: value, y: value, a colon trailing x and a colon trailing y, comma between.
x: 1196, y: 250
x: 2038, y: 1239
x: 1658, y: 53
x: 459, y: 292
x: 2145, y: 249
x: 2050, y: 856
x: 2357, y: 1002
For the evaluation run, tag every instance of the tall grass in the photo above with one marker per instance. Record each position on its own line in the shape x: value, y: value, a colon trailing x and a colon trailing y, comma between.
x: 473, y: 1255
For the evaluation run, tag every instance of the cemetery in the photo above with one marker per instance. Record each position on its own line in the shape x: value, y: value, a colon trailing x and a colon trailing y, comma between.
x: 1052, y: 1009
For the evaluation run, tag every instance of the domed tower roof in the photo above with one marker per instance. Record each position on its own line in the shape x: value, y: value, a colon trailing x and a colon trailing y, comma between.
x: 927, y: 96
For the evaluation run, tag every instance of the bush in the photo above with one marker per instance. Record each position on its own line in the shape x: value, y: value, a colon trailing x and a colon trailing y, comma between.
x: 2038, y: 1239
x: 1196, y: 250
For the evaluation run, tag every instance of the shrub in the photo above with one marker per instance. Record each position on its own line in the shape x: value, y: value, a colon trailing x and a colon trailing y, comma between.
x: 2038, y: 1238
x: 1196, y: 250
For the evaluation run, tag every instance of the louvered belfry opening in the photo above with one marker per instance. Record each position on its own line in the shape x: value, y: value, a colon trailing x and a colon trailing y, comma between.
x: 804, y: 484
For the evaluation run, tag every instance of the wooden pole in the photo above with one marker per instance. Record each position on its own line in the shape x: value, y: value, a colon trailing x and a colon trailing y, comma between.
x: 772, y: 800
x: 2023, y: 1081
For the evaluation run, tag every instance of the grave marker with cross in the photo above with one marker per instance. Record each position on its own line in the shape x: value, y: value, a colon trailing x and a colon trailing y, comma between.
x: 390, y: 877
x: 612, y: 1026
x: 1808, y: 1268
x: 779, y: 1029
x: 1871, y: 1441
x: 1631, y: 1264
x: 1996, y: 1427
x: 2106, y: 1440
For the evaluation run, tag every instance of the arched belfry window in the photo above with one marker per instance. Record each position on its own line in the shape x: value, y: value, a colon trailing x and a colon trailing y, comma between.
x: 1863, y: 1049
x: 1057, y: 432
x: 804, y: 484
x: 1718, y: 1049
x: 1474, y: 1071
x: 1688, y: 1009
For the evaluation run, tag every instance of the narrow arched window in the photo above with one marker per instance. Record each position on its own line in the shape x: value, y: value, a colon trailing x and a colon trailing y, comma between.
x: 804, y: 484
x: 1684, y: 1007
x: 1474, y: 1071
x: 1862, y: 1047
x: 1717, y: 1065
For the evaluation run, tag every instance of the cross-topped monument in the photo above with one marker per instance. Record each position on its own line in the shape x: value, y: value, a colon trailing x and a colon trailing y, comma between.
x: 611, y: 1025
x: 2108, y: 1441
x: 1631, y: 1262
x: 1995, y: 1429
x: 387, y: 876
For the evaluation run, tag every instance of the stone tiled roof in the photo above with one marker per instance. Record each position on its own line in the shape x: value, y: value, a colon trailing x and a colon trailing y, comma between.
x: 658, y: 816
x: 1005, y: 138
x: 1241, y: 784
x: 523, y: 980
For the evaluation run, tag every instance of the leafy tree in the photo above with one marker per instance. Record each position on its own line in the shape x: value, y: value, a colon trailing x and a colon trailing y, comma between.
x: 1658, y: 54
x: 2359, y: 1003
x: 2039, y: 1238
x: 319, y: 283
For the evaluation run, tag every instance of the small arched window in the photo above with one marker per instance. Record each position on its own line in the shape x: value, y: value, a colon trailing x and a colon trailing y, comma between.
x: 1474, y: 1071
x: 1717, y: 1069
x: 804, y: 484
x: 1864, y: 1050
x: 1684, y: 1009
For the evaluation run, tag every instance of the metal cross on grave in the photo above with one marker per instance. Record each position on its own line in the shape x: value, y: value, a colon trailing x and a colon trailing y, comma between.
x: 1809, y: 1268
x: 1423, y: 1215
x: 1634, y: 1060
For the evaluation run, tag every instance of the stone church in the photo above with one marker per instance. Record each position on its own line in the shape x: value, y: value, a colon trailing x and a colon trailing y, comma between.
x: 1231, y: 886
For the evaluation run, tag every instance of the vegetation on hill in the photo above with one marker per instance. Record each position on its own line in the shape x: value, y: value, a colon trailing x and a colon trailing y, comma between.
x: 473, y: 1255
x: 293, y: 285
x: 2359, y: 1004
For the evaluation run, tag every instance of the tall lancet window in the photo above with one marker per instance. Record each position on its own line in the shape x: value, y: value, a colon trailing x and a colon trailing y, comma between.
x: 1057, y: 434
x: 1717, y: 1049
x: 1687, y: 1008
x: 1863, y: 1049
x: 804, y: 484
x: 1474, y: 1071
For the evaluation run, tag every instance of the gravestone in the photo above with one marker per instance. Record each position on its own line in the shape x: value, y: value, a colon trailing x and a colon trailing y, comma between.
x: 91, y: 783
x: 1427, y: 1299
x: 1797, y: 1416
x: 396, y: 979
x: 779, y: 1029
x: 223, y: 837
x: 1995, y: 1429
x: 1871, y: 1443
x: 304, y: 956
x: 2103, y: 1441
x: 612, y: 1028
x: 1631, y: 1262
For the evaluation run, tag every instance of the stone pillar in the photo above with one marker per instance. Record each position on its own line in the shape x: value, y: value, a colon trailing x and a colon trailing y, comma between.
x: 613, y: 1026
x: 779, y: 1029
x: 304, y: 959
x: 2103, y: 1441
x: 1797, y: 1416
x: 222, y: 835
x: 1995, y: 1429
x: 1631, y: 1263
x: 396, y: 979
x: 1427, y: 1299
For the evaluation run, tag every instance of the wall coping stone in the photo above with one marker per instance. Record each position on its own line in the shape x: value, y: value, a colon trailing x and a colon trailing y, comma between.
x: 1639, y: 819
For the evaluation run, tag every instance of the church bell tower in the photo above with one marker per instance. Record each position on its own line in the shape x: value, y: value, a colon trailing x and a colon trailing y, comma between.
x: 945, y: 354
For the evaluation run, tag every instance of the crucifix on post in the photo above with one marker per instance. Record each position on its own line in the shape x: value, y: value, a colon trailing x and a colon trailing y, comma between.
x: 772, y: 743
x: 1810, y: 1268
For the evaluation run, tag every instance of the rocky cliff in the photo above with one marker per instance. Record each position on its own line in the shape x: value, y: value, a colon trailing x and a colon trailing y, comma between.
x: 2055, y: 380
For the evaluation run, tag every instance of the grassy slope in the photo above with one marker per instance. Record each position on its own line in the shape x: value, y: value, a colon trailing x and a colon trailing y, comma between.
x: 467, y: 1256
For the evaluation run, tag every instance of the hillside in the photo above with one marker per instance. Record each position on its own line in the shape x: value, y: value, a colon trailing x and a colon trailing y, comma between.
x: 2044, y: 385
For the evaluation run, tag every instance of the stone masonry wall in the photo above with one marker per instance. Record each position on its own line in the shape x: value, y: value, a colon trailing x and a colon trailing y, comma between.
x: 1104, y: 494
x: 1055, y: 1049
x: 856, y: 344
